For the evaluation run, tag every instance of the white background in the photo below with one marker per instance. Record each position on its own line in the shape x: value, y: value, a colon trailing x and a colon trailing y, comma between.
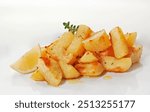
x: 24, y: 23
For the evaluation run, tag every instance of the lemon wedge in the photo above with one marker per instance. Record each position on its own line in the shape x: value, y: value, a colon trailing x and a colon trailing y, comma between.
x: 28, y: 62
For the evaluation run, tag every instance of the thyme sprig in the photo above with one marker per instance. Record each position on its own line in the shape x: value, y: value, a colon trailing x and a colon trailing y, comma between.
x: 72, y: 28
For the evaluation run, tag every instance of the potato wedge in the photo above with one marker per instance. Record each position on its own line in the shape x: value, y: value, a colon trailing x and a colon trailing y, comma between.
x: 57, y: 48
x: 136, y: 53
x: 59, y: 53
x: 76, y: 47
x: 90, y: 69
x: 98, y: 42
x: 37, y: 76
x: 69, y: 58
x: 119, y: 44
x: 69, y: 72
x: 83, y: 32
x: 44, y: 52
x: 65, y: 40
x: 108, y: 52
x: 88, y: 57
x: 130, y: 38
x: 50, y: 70
x: 113, y: 64
x: 55, y: 51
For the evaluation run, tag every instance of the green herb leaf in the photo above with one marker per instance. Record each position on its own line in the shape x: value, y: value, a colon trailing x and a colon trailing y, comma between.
x: 72, y: 28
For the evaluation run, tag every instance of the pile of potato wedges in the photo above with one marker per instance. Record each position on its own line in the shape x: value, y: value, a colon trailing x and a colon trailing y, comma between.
x: 87, y: 53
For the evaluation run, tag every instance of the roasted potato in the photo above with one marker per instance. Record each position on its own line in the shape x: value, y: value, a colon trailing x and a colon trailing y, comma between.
x: 69, y: 58
x: 59, y: 53
x: 130, y: 38
x: 90, y: 69
x: 119, y: 44
x: 57, y: 48
x: 65, y: 40
x: 69, y: 72
x: 136, y: 53
x: 108, y: 52
x: 50, y: 70
x: 113, y: 64
x: 44, y: 52
x: 37, y: 76
x: 83, y: 32
x: 88, y: 57
x: 55, y: 51
x: 76, y: 47
x: 97, y: 42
